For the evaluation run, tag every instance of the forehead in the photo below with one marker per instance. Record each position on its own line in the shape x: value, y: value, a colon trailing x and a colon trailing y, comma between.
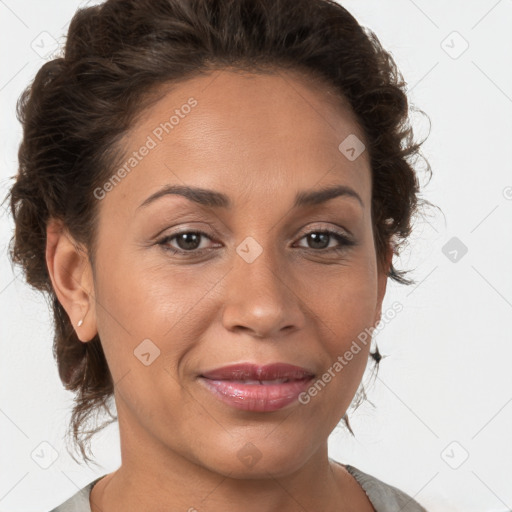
x: 247, y: 134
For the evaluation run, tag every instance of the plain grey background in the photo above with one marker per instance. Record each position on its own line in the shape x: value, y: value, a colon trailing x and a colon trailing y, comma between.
x: 440, y: 429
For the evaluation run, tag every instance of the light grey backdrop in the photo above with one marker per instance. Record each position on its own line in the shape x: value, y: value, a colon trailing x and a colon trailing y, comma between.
x: 442, y: 423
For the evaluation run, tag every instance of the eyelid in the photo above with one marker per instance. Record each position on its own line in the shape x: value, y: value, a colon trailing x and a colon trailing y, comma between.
x: 310, y: 229
x: 328, y: 227
x: 344, y: 238
x: 167, y: 238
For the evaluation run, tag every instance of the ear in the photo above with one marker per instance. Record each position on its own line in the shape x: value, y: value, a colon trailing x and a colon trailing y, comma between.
x: 71, y: 276
x: 382, y: 281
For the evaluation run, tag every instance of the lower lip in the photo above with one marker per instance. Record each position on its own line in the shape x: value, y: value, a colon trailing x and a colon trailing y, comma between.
x: 256, y: 397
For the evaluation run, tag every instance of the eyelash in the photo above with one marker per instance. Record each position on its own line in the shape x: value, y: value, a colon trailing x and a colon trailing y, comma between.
x: 344, y: 241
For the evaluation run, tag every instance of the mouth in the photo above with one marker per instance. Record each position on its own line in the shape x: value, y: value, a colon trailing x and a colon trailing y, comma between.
x: 258, y: 382
x: 256, y: 388
x: 248, y: 372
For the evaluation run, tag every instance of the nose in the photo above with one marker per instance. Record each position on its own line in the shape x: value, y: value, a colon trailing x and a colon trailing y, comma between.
x: 261, y: 298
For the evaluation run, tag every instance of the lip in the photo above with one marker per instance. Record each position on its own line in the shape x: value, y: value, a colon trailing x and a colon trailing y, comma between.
x: 227, y: 384
x: 250, y: 371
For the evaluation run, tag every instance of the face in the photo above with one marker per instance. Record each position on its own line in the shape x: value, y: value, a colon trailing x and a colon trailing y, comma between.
x: 256, y: 278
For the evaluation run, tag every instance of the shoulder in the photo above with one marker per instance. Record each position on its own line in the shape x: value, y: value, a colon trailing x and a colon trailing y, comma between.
x: 384, y: 497
x: 79, y: 502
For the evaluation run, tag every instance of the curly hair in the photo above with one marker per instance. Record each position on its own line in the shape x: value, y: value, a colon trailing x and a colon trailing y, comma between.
x: 117, y: 60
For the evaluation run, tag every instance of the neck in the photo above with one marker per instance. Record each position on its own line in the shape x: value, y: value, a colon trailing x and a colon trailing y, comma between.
x: 152, y: 477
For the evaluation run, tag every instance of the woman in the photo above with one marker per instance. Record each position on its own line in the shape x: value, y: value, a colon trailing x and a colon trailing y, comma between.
x: 211, y: 192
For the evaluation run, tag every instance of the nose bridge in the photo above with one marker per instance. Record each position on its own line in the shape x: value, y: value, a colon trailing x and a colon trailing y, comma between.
x: 258, y: 263
x: 258, y: 298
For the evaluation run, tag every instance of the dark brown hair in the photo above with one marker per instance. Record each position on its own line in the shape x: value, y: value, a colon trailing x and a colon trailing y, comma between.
x: 117, y: 55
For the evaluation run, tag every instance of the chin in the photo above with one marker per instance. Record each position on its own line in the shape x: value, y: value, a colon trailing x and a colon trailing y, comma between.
x: 256, y: 460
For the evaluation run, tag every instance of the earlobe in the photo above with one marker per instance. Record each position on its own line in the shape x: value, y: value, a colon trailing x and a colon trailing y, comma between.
x: 71, y: 277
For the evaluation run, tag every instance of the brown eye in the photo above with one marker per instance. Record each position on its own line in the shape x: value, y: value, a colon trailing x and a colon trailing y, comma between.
x: 186, y: 242
x: 320, y: 239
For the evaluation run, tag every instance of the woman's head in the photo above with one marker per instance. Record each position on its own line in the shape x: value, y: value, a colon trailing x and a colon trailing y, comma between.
x: 263, y: 102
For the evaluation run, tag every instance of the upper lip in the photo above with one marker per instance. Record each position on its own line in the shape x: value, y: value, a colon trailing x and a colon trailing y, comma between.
x: 250, y: 371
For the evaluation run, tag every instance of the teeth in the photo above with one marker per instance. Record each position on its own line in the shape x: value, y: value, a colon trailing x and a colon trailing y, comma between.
x: 263, y: 382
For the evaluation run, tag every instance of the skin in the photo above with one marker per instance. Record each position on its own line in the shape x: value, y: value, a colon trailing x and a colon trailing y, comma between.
x: 259, y: 138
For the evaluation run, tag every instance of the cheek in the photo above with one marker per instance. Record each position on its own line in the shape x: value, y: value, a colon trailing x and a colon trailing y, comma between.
x: 343, y: 305
x: 343, y: 300
x: 146, y: 328
x: 344, y: 311
x: 139, y: 300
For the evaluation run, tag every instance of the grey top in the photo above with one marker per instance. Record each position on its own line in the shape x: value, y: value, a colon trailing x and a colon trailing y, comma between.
x: 383, y: 497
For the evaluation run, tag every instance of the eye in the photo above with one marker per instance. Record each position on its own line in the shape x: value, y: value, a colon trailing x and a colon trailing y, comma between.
x: 187, y: 241
x: 320, y: 239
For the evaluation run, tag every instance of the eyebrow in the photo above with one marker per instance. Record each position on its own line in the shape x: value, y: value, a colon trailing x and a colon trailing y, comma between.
x: 213, y: 199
